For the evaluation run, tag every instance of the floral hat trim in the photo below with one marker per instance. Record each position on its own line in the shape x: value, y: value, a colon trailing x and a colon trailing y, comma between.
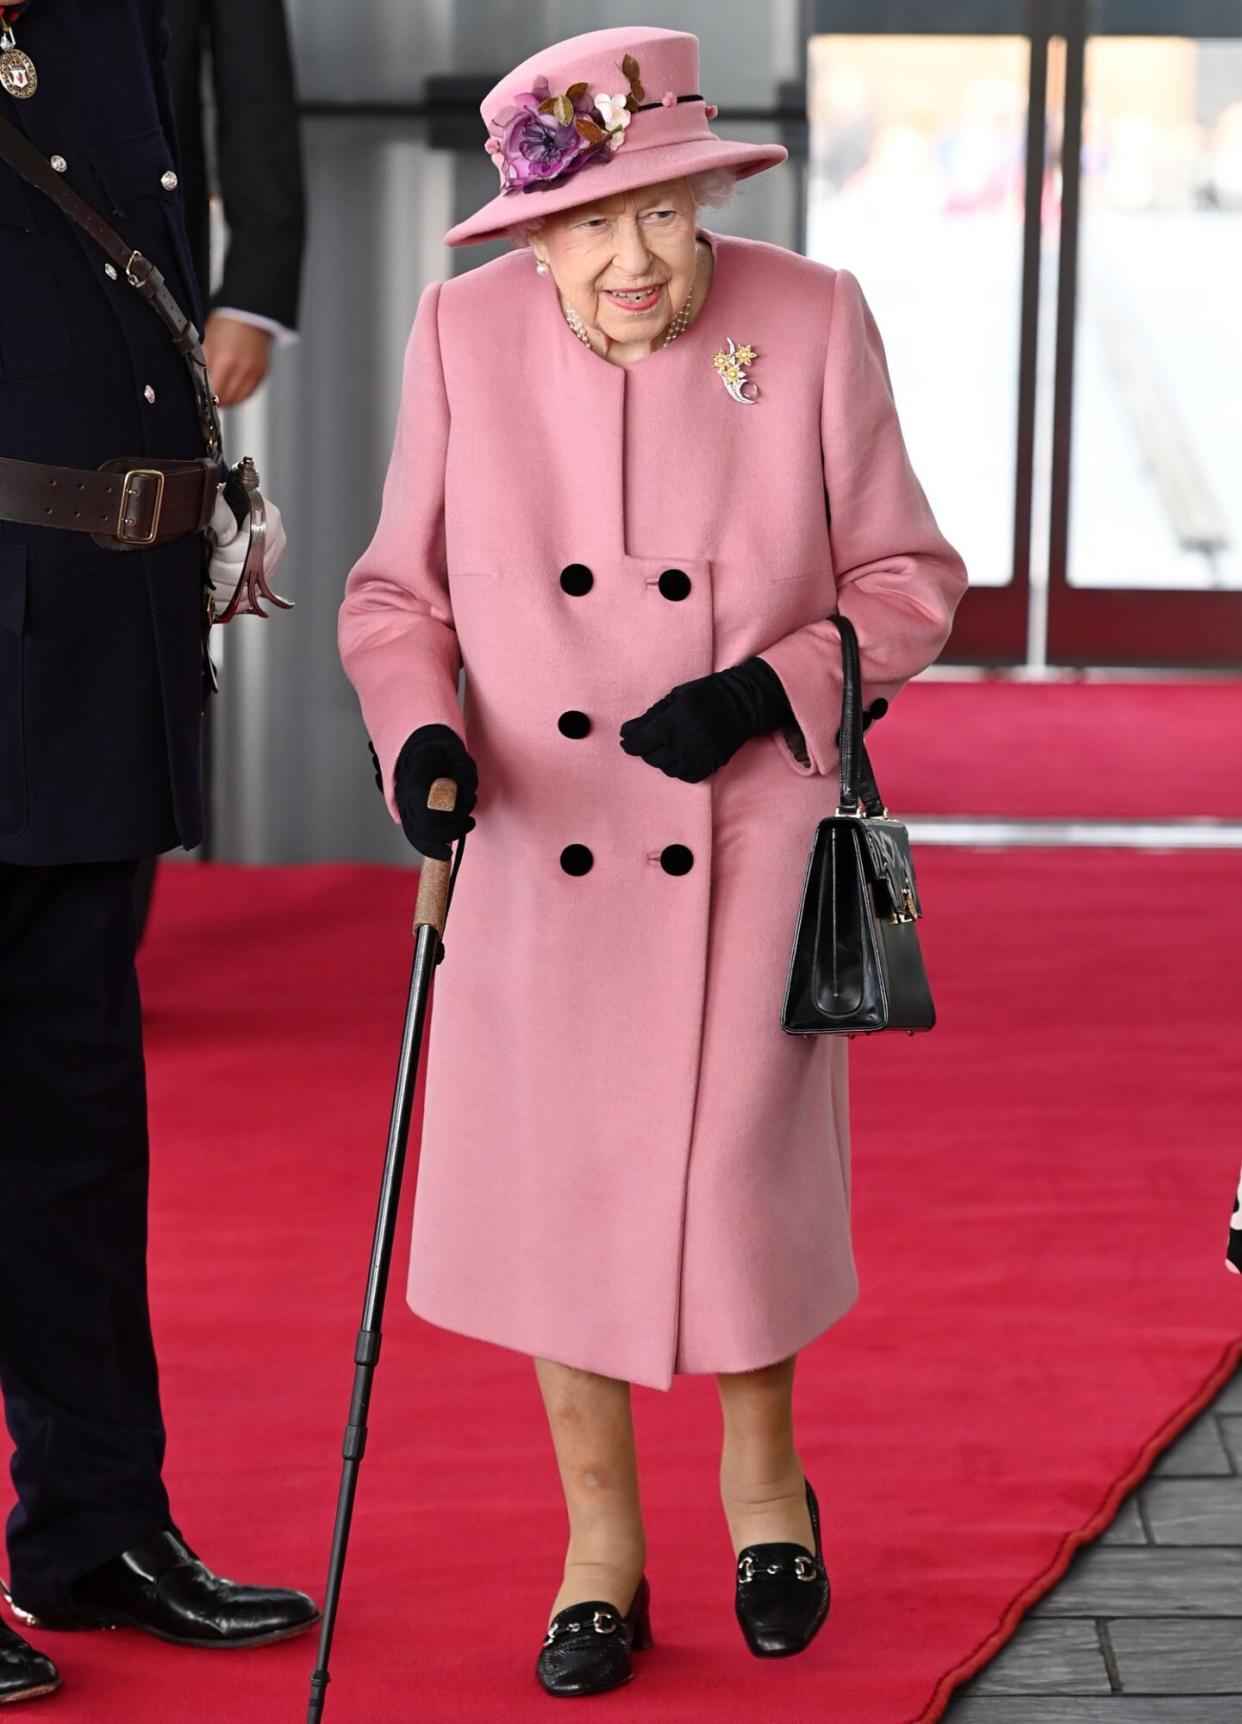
x: 542, y: 139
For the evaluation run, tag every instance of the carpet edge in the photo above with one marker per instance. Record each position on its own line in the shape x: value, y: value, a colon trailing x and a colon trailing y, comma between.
x: 1120, y: 1488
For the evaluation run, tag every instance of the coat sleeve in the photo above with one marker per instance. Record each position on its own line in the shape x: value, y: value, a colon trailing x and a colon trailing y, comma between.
x: 259, y: 159
x: 898, y: 579
x: 396, y: 634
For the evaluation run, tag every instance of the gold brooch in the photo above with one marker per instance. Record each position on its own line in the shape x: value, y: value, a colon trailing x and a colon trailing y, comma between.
x: 730, y: 366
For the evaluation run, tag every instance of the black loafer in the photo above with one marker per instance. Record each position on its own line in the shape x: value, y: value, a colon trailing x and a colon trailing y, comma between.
x: 162, y: 1588
x: 24, y: 1673
x: 588, y: 1647
x: 782, y: 1593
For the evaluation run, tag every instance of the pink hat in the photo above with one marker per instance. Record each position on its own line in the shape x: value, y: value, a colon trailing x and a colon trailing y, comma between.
x: 596, y: 115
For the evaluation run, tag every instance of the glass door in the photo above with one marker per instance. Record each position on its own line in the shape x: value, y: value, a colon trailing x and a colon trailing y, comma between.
x: 1043, y: 201
x: 1145, y: 522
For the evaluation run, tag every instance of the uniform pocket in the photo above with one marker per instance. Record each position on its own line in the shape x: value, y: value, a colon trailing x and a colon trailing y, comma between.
x: 143, y: 208
x: 34, y: 337
x: 133, y: 170
x: 12, y: 722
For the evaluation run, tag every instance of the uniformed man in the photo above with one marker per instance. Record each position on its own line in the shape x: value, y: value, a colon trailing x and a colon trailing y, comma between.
x: 101, y: 659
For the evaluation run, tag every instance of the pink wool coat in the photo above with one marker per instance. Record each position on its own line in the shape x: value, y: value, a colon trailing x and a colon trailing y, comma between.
x: 626, y: 1164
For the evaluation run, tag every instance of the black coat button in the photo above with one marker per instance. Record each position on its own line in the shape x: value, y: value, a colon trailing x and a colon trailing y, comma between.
x: 577, y: 579
x: 573, y: 723
x: 675, y: 584
x: 577, y: 859
x: 676, y: 859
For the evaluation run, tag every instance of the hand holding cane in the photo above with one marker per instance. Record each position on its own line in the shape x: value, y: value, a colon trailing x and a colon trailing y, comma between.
x: 431, y: 910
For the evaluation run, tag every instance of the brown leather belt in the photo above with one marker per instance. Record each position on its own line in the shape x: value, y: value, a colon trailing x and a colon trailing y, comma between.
x: 127, y: 504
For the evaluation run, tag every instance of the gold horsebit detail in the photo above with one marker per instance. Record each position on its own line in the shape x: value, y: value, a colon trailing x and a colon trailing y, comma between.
x: 603, y: 1622
x: 804, y: 1568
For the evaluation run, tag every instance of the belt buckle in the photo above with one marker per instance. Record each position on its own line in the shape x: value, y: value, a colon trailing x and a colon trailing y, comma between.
x: 127, y: 486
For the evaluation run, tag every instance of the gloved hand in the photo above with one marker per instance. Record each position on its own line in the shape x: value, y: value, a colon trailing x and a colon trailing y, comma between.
x: 699, y: 725
x: 434, y: 751
x: 230, y: 543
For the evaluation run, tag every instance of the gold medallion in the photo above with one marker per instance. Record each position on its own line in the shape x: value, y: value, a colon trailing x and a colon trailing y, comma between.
x: 17, y: 70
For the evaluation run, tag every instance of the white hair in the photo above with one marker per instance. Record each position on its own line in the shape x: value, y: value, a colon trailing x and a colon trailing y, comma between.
x: 711, y: 189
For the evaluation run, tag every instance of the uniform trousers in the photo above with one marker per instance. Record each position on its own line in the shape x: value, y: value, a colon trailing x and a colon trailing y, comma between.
x: 77, y: 1363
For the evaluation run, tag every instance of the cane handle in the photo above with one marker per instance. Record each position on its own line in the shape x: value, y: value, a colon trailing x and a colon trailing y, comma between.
x: 433, y: 881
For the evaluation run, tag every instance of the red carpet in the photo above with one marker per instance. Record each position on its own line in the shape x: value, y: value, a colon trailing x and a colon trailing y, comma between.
x: 1099, y: 750
x: 1041, y: 1212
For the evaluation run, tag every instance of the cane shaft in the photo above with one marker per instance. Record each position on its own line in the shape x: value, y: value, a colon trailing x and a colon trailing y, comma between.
x: 433, y: 883
x: 367, y: 1348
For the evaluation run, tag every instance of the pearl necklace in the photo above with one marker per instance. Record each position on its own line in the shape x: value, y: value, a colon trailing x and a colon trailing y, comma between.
x: 676, y: 327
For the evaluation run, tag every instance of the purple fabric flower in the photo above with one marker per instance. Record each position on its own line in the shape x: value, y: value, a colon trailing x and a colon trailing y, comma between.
x: 536, y: 149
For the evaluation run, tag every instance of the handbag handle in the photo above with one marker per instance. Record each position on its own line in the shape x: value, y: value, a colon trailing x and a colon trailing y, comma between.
x: 857, y: 778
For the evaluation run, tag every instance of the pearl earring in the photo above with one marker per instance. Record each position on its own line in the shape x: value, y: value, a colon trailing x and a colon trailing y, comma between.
x: 541, y: 267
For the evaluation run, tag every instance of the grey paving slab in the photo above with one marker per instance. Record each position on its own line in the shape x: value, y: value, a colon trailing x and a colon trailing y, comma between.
x: 1047, y: 1658
x: 1231, y: 1430
x: 1127, y: 1526
x: 1198, y: 1453
x: 1111, y: 1581
x: 1194, y: 1511
x: 1230, y: 1398
x: 1179, y: 1655
x: 1117, y: 1709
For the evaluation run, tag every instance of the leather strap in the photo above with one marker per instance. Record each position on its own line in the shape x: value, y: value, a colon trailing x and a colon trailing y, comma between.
x: 857, y: 778
x: 129, y: 503
x: 141, y: 274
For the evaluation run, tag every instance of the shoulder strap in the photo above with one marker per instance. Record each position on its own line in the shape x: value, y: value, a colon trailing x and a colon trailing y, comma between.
x: 141, y: 274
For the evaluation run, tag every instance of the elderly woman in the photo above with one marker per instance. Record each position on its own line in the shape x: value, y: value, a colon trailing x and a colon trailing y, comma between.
x: 638, y: 467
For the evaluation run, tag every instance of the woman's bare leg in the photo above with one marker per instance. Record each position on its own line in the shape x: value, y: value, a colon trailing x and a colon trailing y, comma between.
x: 593, y: 1433
x: 762, y: 1485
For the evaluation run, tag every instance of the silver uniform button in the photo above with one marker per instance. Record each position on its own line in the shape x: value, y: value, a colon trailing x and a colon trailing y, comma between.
x: 150, y: 394
x: 60, y: 164
x: 169, y: 181
x: 110, y: 271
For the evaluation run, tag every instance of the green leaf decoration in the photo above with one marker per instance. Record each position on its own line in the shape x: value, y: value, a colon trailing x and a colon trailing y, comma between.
x: 546, y: 107
x: 563, y: 108
x: 576, y: 92
x: 588, y: 130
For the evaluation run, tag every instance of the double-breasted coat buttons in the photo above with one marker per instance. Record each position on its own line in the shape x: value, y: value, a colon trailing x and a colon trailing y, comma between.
x: 676, y: 859
x: 59, y: 163
x: 577, y: 579
x: 169, y: 181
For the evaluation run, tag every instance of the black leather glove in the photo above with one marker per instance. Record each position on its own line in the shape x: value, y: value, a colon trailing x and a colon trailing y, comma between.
x: 697, y: 726
x: 434, y: 751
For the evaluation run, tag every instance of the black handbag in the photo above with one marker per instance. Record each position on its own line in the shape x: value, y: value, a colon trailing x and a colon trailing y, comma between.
x: 856, y: 966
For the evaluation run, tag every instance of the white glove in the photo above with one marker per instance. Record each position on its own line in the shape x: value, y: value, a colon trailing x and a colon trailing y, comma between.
x: 230, y: 544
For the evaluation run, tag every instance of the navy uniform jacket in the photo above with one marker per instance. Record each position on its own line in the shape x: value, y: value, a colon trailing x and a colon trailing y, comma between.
x: 100, y: 656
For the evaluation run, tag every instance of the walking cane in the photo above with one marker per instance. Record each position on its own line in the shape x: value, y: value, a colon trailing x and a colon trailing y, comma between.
x: 435, y: 888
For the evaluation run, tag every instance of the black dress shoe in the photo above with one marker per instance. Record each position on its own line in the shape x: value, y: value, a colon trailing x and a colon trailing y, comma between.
x: 782, y: 1593
x: 24, y: 1673
x: 588, y: 1645
x: 161, y: 1587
